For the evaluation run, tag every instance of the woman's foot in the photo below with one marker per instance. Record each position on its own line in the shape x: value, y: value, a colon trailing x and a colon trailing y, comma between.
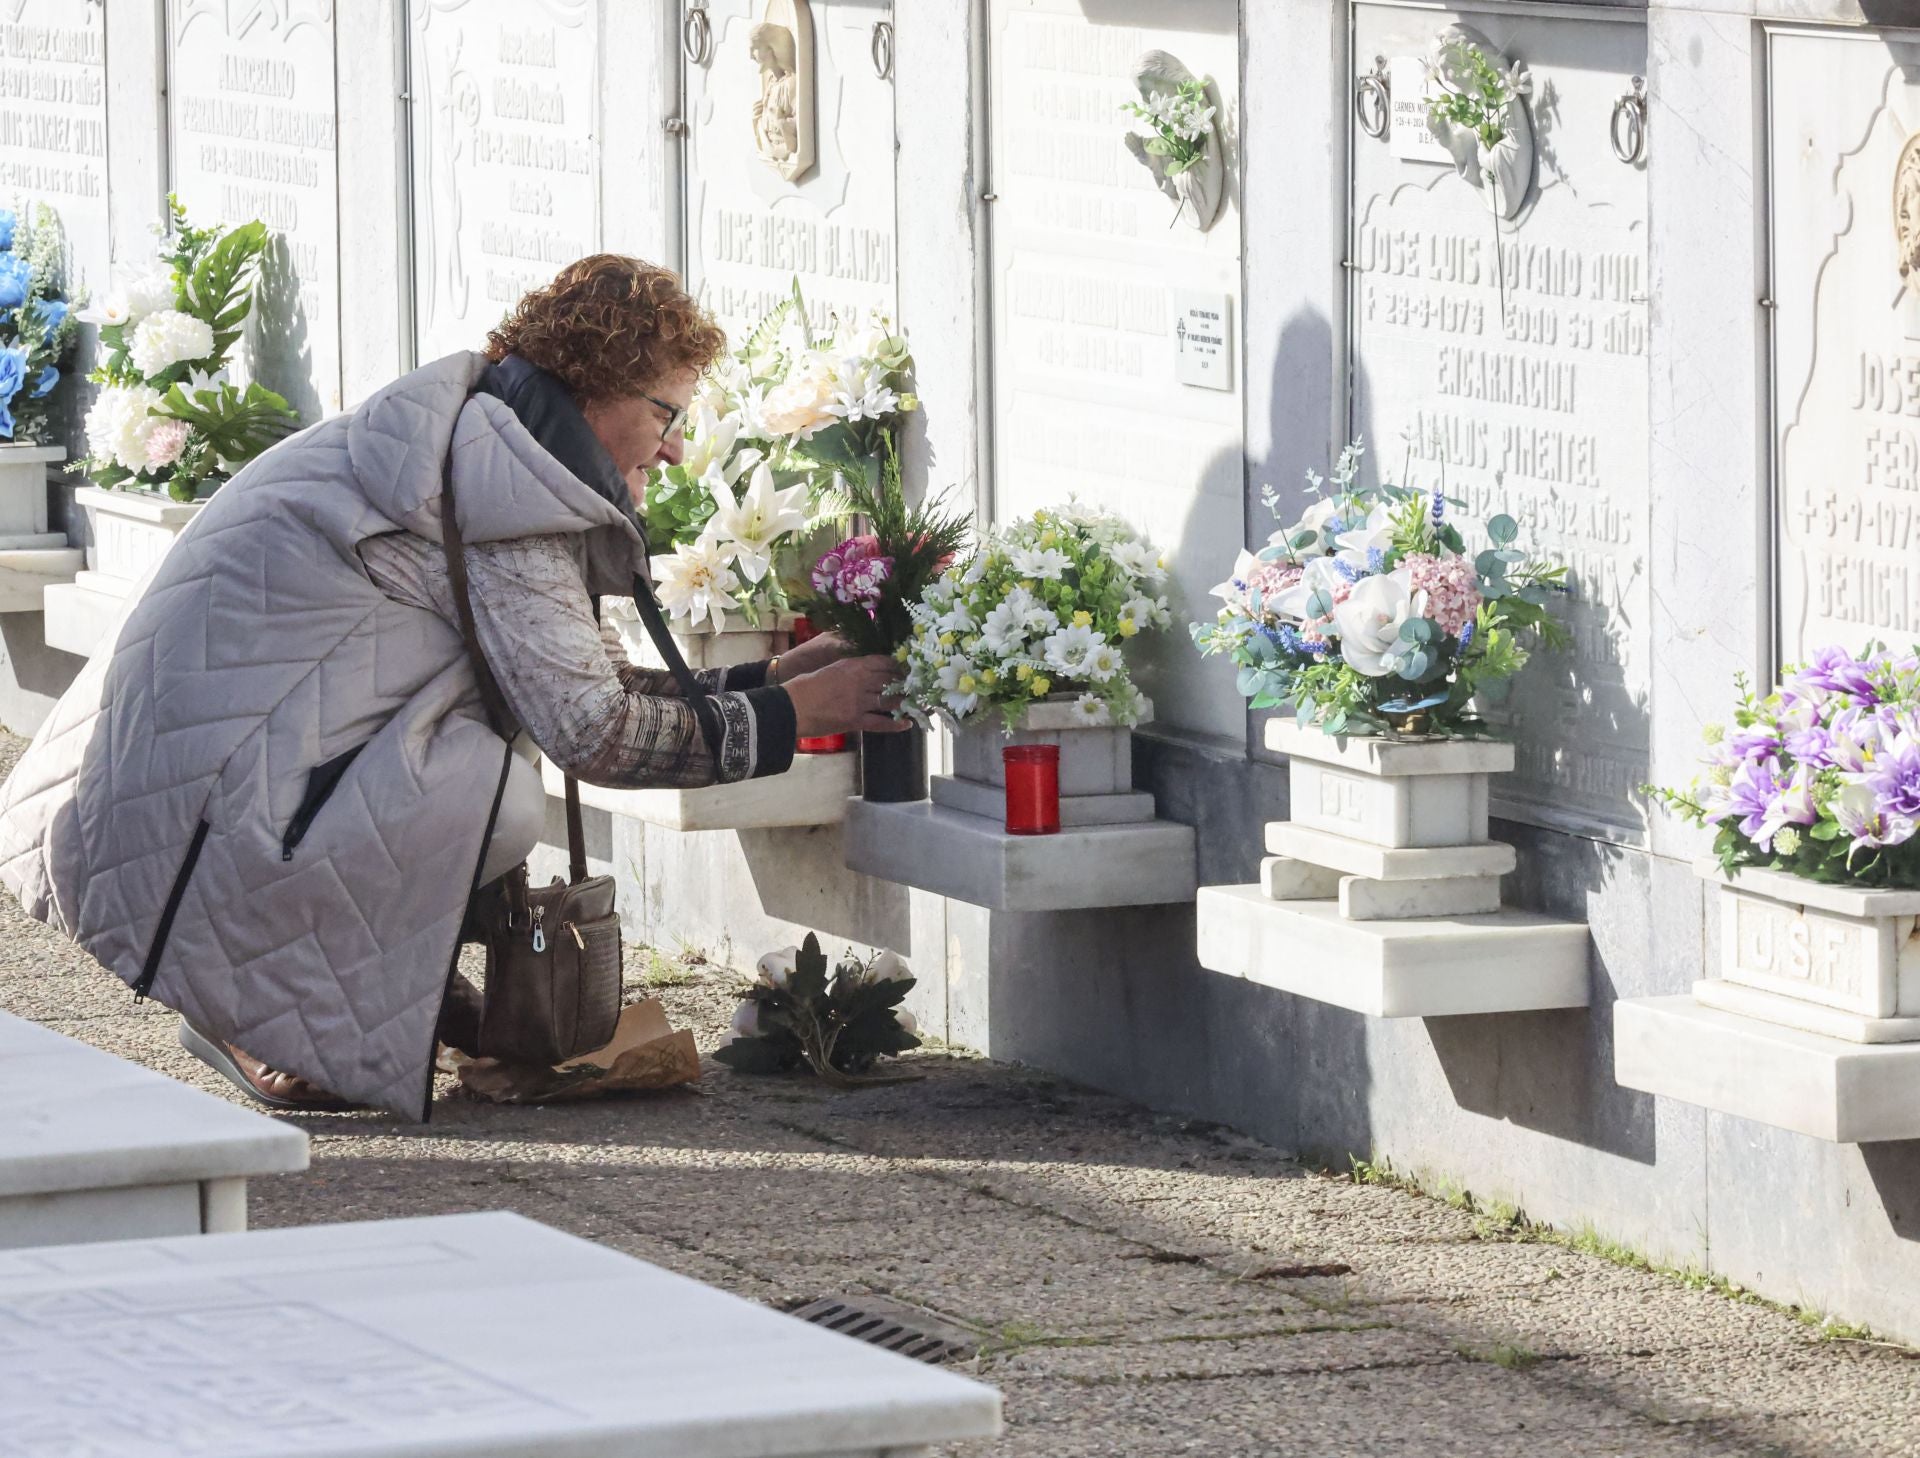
x: 269, y: 1086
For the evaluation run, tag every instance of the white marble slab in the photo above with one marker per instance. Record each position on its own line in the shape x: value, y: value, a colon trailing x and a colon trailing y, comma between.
x: 1512, y: 961
x: 973, y: 798
x: 1797, y: 1012
x: 26, y: 574
x: 79, y: 614
x: 1798, y: 891
x: 1399, y: 812
x: 1357, y: 858
x: 972, y: 858
x: 1365, y: 899
x: 1373, y: 755
x: 1092, y: 761
x: 1850, y: 1093
x: 813, y: 792
x: 481, y: 1334
x: 95, y: 1148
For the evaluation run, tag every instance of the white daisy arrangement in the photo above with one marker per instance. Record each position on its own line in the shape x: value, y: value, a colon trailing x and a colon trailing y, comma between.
x: 773, y: 432
x: 166, y: 416
x: 1043, y: 610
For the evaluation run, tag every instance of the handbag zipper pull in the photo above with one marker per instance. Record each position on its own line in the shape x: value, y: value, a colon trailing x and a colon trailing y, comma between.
x: 578, y: 940
x: 539, y: 931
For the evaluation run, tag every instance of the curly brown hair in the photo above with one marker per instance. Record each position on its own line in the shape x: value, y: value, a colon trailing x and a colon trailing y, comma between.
x: 608, y: 328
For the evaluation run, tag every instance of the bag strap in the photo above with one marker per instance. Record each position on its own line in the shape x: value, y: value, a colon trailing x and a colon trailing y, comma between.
x: 704, y: 712
x: 491, y: 698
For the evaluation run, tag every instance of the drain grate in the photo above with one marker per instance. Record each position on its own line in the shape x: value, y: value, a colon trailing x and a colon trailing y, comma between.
x: 891, y: 1324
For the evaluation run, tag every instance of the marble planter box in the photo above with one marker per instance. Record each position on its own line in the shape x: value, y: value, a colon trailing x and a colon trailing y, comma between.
x: 738, y: 642
x: 1092, y: 761
x: 480, y: 1334
x: 1399, y: 794
x: 95, y: 1148
x: 132, y: 531
x: 972, y: 858
x: 814, y: 792
x: 32, y: 559
x: 1828, y: 1088
x: 1508, y: 961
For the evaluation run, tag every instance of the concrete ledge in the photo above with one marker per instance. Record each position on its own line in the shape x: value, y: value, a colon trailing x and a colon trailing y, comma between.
x: 1511, y: 961
x: 1848, y: 1093
x: 79, y: 617
x: 1809, y: 1017
x: 972, y: 858
x: 1379, y: 863
x: 814, y: 792
x: 25, y: 575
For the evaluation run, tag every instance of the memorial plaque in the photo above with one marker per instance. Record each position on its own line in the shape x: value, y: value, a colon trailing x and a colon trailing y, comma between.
x: 53, y: 124
x: 1091, y: 283
x: 506, y: 164
x: 1507, y: 365
x: 251, y: 126
x: 750, y: 232
x: 1844, y: 225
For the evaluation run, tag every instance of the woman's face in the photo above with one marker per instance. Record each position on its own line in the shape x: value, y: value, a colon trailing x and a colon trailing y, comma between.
x: 633, y: 428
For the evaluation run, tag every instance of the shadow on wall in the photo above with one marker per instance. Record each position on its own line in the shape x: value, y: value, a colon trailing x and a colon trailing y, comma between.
x: 1894, y: 1168
x: 278, y: 338
x: 800, y: 876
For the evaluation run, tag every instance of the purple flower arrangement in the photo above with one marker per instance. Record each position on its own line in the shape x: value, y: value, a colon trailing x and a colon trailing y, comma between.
x: 1820, y: 776
x: 853, y: 572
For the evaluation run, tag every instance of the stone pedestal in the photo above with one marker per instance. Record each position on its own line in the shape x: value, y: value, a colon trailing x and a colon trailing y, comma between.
x: 131, y: 532
x: 32, y: 558
x: 1110, y: 850
x: 814, y: 792
x: 1382, y: 894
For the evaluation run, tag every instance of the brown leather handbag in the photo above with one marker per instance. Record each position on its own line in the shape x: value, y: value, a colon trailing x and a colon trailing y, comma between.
x: 553, y: 952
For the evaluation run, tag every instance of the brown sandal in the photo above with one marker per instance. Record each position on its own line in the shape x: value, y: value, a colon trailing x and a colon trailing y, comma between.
x: 268, y: 1086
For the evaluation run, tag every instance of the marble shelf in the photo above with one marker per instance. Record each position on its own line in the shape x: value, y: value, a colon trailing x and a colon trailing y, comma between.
x: 972, y: 858
x: 95, y: 1148
x: 80, y: 613
x: 1509, y: 961
x: 814, y: 792
x: 1825, y: 1087
x: 481, y: 1334
x: 30, y: 566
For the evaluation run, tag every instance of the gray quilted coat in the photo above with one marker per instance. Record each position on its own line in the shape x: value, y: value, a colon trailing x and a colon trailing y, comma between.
x: 165, y: 817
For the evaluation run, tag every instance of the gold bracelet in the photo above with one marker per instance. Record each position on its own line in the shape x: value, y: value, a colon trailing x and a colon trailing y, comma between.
x: 773, y: 668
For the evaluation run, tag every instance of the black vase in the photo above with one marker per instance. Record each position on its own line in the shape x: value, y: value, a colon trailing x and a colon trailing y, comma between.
x: 893, y: 767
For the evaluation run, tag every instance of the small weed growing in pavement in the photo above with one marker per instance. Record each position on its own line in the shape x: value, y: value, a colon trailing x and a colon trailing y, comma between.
x: 661, y: 971
x: 1510, y: 1355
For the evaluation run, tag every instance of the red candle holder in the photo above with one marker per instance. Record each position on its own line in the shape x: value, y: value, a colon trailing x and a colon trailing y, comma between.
x: 815, y: 743
x: 1033, y: 788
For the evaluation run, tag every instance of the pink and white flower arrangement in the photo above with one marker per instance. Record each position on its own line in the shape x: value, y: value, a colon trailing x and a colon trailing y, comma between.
x: 1820, y: 775
x: 853, y: 572
x: 1368, y: 614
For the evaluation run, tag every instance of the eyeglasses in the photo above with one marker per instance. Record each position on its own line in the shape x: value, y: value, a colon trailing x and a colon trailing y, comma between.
x: 676, y: 414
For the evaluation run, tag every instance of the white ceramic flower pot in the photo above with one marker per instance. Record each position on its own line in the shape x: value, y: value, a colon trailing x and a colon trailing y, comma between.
x: 1093, y: 761
x: 1394, y: 793
x: 23, y: 496
x: 131, y: 530
x: 1840, y: 960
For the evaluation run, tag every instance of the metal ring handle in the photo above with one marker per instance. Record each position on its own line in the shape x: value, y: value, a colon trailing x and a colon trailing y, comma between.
x: 1373, y: 101
x: 696, y: 35
x: 881, y: 49
x: 1631, y: 109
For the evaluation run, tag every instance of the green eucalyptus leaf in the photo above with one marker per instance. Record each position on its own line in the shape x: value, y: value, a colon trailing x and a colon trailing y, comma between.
x: 1503, y: 529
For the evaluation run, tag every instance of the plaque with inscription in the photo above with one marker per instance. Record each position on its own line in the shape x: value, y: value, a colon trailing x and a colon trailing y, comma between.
x: 1090, y: 291
x: 1506, y: 364
x: 251, y: 127
x: 53, y: 123
x: 505, y: 157
x: 1846, y: 379
x: 750, y: 231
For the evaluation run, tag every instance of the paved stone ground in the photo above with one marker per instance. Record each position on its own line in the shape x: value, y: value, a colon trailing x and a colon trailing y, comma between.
x: 1135, y: 1280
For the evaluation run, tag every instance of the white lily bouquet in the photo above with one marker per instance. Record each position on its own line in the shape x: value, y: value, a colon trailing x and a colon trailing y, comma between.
x: 772, y: 433
x: 1043, y: 610
x: 167, y: 415
x: 1369, y: 614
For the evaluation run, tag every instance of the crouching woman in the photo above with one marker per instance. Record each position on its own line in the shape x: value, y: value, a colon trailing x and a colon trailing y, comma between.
x: 266, y: 799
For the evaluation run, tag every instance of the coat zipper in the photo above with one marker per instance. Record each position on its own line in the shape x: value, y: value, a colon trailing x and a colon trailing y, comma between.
x: 151, y: 968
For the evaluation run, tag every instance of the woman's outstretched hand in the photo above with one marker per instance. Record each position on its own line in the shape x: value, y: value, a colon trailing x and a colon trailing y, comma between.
x: 813, y: 654
x: 846, y: 695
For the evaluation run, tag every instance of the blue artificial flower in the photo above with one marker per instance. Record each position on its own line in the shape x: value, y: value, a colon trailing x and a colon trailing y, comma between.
x: 53, y: 312
x: 15, y: 279
x: 43, y: 386
x: 13, y: 373
x: 1439, y: 508
x: 1334, y: 526
x: 1466, y: 637
x: 7, y: 222
x: 1346, y: 569
x: 1376, y: 560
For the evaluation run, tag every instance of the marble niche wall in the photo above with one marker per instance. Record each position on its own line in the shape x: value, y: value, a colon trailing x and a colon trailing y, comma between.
x: 506, y: 157
x: 251, y: 133
x: 1095, y: 285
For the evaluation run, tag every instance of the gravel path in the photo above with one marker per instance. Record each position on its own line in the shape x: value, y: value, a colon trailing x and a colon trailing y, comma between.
x: 1138, y: 1284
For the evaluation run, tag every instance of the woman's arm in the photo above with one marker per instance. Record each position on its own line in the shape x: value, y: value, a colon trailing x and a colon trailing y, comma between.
x: 536, y: 626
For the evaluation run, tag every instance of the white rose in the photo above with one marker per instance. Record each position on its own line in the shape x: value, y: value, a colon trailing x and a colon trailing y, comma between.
x: 165, y: 339
x: 151, y: 293
x: 746, y: 1020
x: 799, y: 407
x: 121, y: 423
x: 1368, y: 623
x: 889, y: 967
x: 777, y: 968
x: 909, y: 1024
